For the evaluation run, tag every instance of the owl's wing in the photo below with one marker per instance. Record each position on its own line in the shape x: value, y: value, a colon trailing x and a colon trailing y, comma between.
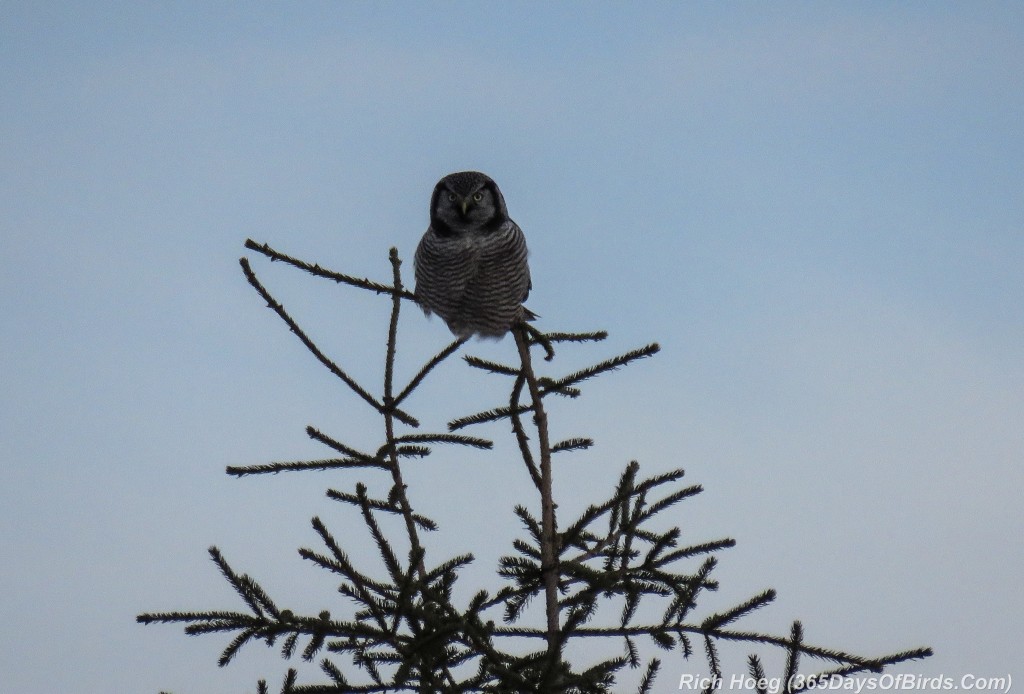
x: 527, y: 313
x: 521, y: 243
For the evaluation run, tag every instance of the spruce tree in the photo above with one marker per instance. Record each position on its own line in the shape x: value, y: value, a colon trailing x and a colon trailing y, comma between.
x: 620, y: 572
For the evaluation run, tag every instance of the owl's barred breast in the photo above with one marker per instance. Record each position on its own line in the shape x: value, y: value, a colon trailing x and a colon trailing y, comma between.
x: 475, y: 281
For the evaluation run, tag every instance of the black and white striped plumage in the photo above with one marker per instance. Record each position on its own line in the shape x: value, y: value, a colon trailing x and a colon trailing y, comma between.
x: 471, y: 264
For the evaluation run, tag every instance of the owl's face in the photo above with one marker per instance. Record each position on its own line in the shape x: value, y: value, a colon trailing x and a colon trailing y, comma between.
x: 466, y: 201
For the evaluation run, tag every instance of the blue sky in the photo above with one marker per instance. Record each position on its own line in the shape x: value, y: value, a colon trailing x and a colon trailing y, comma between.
x: 815, y: 208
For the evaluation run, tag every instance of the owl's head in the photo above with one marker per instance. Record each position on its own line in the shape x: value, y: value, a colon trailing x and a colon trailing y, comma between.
x: 467, y: 201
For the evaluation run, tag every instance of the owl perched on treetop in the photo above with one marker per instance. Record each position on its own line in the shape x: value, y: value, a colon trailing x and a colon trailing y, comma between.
x: 471, y: 263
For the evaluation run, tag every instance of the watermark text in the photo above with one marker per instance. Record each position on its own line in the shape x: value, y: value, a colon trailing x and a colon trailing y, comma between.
x: 854, y: 685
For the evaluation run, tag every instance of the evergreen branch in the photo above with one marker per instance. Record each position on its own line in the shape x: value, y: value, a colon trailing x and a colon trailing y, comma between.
x: 602, y: 673
x: 236, y: 644
x: 449, y: 567
x: 547, y: 386
x: 796, y: 635
x: 624, y: 524
x: 619, y: 502
x: 661, y: 543
x: 446, y: 438
x: 368, y: 460
x: 574, y: 444
x: 522, y: 440
x: 664, y: 639
x: 515, y: 605
x: 348, y: 689
x: 490, y: 366
x: 767, y: 639
x: 575, y: 534
x: 217, y: 626
x: 696, y: 549
x: 632, y: 654
x: 632, y: 602
x: 657, y: 480
x: 309, y: 344
x: 416, y: 552
x: 264, y: 628
x: 392, y: 344
x: 533, y: 336
x: 713, y: 665
x: 719, y: 620
x: 671, y: 499
x: 526, y: 549
x: 522, y: 569
x: 301, y: 465
x: 757, y: 673
x: 427, y: 368
x: 288, y: 648
x: 595, y: 336
x: 607, y: 582
x: 386, y: 553
x: 648, y: 681
x: 362, y: 585
x: 630, y: 522
x: 549, y: 527
x: 687, y: 593
x: 332, y: 671
x: 261, y: 597
x: 378, y: 505
x: 485, y: 416
x: 530, y: 522
x: 406, y: 589
x: 319, y: 635
x: 212, y: 616
x: 562, y: 386
x: 684, y: 642
x: 362, y: 658
x: 581, y: 612
x: 357, y: 587
x: 328, y: 539
x: 640, y: 533
x: 609, y: 365
x: 232, y: 648
x: 318, y: 271
x: 412, y: 451
x: 245, y: 586
x: 876, y: 664
x: 398, y: 494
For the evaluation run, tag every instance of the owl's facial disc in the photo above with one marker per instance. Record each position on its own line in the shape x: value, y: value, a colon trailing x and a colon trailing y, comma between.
x: 466, y: 202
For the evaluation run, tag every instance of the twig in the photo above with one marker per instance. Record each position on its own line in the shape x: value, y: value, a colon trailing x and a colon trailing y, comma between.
x: 520, y: 433
x: 438, y: 358
x: 318, y: 271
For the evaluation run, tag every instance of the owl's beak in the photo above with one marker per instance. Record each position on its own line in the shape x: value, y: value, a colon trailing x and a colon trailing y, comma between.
x: 463, y: 204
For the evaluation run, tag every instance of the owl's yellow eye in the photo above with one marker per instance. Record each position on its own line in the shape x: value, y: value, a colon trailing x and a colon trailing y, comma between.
x: 451, y: 197
x: 478, y: 197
